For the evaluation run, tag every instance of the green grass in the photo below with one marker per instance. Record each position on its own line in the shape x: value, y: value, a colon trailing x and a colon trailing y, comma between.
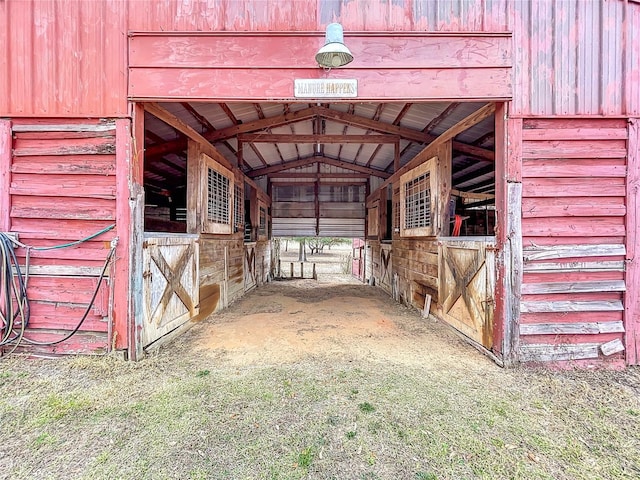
x: 164, y: 418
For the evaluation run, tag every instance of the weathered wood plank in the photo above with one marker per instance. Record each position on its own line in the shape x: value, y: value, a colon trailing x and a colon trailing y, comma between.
x: 614, y: 346
x: 573, y: 287
x: 550, y: 353
x: 64, y: 317
x: 632, y: 296
x: 541, y: 207
x: 571, y: 123
x: 571, y: 328
x: 574, y: 168
x: 88, y: 186
x: 103, y: 126
x: 540, y: 252
x: 575, y: 149
x: 71, y: 208
x: 565, y: 267
x: 579, y: 133
x: 569, y: 240
x: 74, y: 165
x: 70, y: 146
x: 574, y: 187
x: 571, y: 306
x: 574, y: 226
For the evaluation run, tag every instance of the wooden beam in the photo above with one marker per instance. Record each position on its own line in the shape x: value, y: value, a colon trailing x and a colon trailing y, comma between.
x: 431, y: 149
x: 446, y: 113
x: 170, y: 119
x: 405, y: 133
x: 310, y: 161
x: 320, y: 175
x: 200, y: 118
x: 471, y: 195
x: 316, y: 138
x: 261, y: 124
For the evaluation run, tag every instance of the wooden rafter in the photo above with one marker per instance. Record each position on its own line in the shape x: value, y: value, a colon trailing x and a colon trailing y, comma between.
x: 350, y: 111
x: 170, y: 119
x: 446, y: 113
x: 396, y: 121
x: 431, y: 149
x: 316, y: 138
x: 262, y: 117
x: 310, y: 161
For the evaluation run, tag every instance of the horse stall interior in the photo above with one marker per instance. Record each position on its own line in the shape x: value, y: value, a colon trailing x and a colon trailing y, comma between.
x: 412, y: 183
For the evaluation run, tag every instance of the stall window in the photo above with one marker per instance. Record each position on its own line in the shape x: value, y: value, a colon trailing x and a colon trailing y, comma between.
x: 218, y: 198
x: 262, y: 229
x: 417, y: 200
x: 238, y: 208
x: 372, y: 222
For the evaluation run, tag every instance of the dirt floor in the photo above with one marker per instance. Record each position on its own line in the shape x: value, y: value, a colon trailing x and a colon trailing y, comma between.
x: 336, y: 316
x: 288, y: 321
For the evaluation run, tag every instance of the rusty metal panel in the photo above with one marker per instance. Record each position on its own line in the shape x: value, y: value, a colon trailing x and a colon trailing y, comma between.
x: 575, y: 57
x: 63, y: 58
x: 287, y: 15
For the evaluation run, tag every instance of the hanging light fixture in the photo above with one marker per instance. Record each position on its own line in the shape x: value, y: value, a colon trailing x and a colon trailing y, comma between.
x: 334, y: 53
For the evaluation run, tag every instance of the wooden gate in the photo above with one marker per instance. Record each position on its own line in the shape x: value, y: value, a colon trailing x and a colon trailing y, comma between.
x: 386, y: 269
x: 170, y: 283
x: 467, y: 284
x: 250, y: 273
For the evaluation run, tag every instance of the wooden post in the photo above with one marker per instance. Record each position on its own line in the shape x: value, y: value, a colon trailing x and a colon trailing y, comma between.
x: 315, y: 276
x: 279, y: 271
x: 508, y: 176
x: 291, y: 269
x: 632, y: 276
x: 194, y: 196
x: 301, y: 269
x: 124, y: 314
x: 5, y: 175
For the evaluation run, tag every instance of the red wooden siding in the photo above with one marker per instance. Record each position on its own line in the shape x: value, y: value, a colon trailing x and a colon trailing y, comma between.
x: 207, y: 67
x: 576, y: 57
x: 62, y: 189
x: 287, y: 15
x: 573, y: 229
x: 63, y: 58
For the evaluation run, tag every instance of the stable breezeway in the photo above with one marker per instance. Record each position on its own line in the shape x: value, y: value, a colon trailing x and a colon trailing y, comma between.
x: 293, y: 320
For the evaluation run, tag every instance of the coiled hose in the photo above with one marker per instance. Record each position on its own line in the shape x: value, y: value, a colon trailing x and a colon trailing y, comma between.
x: 15, y: 308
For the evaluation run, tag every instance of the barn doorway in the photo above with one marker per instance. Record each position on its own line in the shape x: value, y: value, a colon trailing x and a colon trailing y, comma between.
x: 307, y: 170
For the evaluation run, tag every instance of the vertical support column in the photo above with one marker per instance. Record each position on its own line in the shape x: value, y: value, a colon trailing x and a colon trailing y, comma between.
x: 508, y: 174
x: 444, y: 181
x: 632, y: 275
x: 195, y: 170
x: 123, y: 325
x: 5, y: 175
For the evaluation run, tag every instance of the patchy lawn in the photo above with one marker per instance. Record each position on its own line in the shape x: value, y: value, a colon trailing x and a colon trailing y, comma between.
x: 299, y: 381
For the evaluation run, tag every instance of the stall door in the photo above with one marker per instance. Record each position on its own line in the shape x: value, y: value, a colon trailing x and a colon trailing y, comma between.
x: 170, y: 284
x: 467, y: 286
x: 250, y: 274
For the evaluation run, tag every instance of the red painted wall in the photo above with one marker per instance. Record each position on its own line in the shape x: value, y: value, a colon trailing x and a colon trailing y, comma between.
x: 573, y: 175
x: 62, y: 188
x: 62, y: 58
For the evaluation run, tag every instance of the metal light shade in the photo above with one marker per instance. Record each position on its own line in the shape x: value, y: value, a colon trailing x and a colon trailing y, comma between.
x: 334, y: 53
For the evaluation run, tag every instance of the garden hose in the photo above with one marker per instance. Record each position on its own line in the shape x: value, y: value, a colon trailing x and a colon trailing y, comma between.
x: 14, y: 302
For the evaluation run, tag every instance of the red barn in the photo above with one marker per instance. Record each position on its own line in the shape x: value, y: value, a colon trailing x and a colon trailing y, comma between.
x: 485, y: 150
